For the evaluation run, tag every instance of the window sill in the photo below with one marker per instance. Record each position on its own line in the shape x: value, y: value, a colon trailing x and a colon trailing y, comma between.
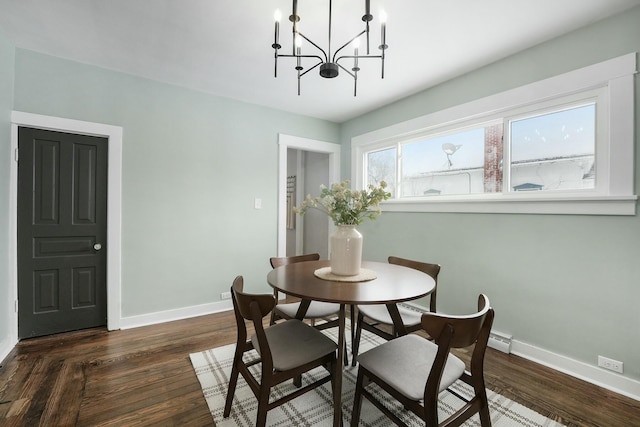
x: 518, y: 204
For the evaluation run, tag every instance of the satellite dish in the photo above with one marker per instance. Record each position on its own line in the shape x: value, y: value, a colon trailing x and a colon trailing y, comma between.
x: 449, y: 149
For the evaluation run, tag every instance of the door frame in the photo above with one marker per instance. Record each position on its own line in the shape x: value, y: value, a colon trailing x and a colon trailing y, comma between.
x: 295, y: 142
x: 114, y: 205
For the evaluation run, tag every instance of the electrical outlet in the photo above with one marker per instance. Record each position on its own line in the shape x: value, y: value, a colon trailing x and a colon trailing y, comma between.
x: 613, y: 365
x: 225, y: 295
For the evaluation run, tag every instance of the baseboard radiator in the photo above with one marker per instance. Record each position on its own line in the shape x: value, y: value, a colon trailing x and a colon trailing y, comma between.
x: 500, y: 341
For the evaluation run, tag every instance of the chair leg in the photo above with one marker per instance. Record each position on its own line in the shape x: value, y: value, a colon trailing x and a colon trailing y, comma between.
x: 263, y: 403
x: 334, y: 384
x: 297, y: 381
x: 356, y: 340
x: 485, y: 418
x: 232, y: 385
x: 346, y: 355
x: 357, y: 400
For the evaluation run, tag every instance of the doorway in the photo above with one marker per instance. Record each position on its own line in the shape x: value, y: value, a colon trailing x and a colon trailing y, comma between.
x: 325, y: 155
x: 114, y: 177
x: 62, y: 228
x: 307, y: 170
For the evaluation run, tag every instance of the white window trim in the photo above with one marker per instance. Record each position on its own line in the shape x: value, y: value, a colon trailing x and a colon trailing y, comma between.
x: 615, y: 75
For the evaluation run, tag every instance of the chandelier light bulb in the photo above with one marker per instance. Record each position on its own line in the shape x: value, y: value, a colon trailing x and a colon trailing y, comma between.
x: 356, y: 43
x: 383, y: 17
x: 298, y: 41
x: 277, y: 15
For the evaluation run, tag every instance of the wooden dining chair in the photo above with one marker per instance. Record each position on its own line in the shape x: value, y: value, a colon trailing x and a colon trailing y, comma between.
x: 415, y: 370
x: 286, y: 350
x: 318, y: 310
x: 376, y: 318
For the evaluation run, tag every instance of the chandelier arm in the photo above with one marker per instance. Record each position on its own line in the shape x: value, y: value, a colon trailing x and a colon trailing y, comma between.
x: 305, y: 56
x: 326, y: 58
x: 347, y: 44
x: 346, y: 70
x: 315, y: 66
x: 359, y: 57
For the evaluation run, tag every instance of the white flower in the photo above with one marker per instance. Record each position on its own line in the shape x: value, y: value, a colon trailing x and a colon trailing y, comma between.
x: 346, y: 206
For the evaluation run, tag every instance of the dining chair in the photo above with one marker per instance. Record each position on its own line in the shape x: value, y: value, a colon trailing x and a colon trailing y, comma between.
x: 376, y: 318
x: 317, y: 309
x: 414, y: 370
x: 286, y: 350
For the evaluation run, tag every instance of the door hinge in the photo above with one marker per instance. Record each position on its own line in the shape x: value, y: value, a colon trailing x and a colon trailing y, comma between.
x: 15, y: 306
x: 16, y: 155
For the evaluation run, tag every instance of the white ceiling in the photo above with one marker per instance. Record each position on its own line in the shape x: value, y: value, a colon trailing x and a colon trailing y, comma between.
x: 223, y: 47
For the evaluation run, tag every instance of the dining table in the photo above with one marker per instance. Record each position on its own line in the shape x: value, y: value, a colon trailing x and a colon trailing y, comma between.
x: 378, y: 283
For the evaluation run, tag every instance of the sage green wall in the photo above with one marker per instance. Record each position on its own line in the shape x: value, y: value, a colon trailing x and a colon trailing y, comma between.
x: 567, y: 284
x: 7, y: 52
x: 192, y: 165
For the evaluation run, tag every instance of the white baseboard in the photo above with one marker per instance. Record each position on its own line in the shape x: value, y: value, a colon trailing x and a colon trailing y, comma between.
x: 177, y: 314
x: 590, y: 373
x: 5, y: 347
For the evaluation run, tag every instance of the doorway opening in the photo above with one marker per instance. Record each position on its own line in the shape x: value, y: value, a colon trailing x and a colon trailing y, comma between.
x: 325, y: 158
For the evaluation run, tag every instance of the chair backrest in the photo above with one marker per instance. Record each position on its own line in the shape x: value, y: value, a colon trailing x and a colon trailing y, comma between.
x: 451, y: 331
x: 243, y: 302
x: 252, y: 307
x: 466, y: 328
x: 280, y: 261
x: 431, y: 269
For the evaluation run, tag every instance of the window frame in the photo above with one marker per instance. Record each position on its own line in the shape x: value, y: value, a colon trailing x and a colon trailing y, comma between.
x: 610, y: 82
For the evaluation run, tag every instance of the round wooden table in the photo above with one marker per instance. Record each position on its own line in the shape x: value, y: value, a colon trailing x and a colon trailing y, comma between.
x: 393, y: 284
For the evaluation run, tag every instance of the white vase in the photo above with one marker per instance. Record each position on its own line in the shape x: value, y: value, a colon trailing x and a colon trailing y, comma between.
x: 346, y: 251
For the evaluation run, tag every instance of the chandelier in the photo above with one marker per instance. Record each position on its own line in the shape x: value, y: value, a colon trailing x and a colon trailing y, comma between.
x: 328, y: 61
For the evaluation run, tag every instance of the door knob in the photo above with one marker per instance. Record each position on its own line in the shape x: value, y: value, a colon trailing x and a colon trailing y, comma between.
x: 97, y: 246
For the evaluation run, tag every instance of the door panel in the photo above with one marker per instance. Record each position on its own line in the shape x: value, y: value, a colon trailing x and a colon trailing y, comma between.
x: 62, y: 217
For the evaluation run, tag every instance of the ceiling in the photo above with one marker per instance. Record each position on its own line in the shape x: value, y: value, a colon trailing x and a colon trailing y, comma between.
x: 223, y: 47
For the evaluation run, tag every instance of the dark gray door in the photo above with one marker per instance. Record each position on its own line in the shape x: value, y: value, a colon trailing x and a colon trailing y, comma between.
x: 62, y: 230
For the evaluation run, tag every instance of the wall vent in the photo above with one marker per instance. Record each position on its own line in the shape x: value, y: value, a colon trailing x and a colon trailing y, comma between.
x: 500, y: 341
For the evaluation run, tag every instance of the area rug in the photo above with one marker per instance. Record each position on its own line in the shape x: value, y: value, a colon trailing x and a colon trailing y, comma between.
x: 314, y: 408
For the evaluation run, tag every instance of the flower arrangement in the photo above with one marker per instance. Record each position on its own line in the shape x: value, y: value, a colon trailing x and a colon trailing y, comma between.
x: 346, y: 206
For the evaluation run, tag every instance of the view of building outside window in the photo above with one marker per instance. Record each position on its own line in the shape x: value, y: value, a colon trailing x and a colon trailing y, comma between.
x: 554, y: 151
x: 448, y: 164
x: 550, y: 151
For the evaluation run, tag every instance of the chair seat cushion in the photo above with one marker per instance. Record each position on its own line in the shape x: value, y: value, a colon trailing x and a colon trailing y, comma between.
x: 294, y: 343
x: 316, y: 310
x: 405, y: 363
x: 379, y: 313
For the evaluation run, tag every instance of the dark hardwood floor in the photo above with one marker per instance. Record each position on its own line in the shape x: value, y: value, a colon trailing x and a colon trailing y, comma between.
x: 144, y: 377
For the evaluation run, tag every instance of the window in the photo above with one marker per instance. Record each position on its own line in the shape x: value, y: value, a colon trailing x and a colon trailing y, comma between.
x: 381, y: 166
x: 535, y: 149
x: 554, y: 150
x: 453, y: 163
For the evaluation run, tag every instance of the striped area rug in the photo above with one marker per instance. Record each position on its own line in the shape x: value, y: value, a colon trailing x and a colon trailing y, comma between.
x: 213, y: 368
